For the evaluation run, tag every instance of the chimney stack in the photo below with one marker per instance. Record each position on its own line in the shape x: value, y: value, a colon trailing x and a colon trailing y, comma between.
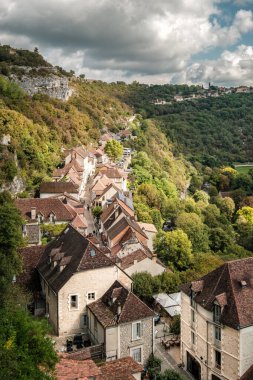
x: 154, y: 257
x: 33, y: 213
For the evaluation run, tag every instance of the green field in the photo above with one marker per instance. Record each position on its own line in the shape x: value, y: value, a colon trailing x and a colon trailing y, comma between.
x: 243, y: 169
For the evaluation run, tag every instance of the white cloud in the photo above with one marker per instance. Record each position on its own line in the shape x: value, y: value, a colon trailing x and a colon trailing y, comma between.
x: 123, y: 39
x: 231, y: 68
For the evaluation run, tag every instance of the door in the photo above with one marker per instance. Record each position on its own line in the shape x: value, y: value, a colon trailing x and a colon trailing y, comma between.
x: 193, y: 367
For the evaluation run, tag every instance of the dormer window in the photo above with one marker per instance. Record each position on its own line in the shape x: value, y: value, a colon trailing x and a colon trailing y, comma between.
x: 216, y: 313
x: 40, y: 218
x: 52, y: 218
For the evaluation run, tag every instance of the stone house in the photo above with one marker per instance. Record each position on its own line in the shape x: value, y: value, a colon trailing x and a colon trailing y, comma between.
x: 217, y: 323
x: 123, y: 323
x: 71, y: 269
x: 84, y: 158
x: 117, y: 176
x: 109, y: 192
x: 151, y: 231
x: 114, y: 213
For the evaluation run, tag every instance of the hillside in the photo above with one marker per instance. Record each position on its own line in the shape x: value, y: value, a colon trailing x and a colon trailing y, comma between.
x: 214, y: 131
x: 39, y: 125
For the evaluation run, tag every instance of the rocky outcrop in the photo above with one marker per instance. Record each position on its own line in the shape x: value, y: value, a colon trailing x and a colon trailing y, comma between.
x: 14, y: 187
x: 52, y: 85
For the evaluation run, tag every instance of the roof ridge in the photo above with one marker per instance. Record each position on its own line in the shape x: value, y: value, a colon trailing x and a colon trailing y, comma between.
x: 214, y: 289
x: 232, y: 290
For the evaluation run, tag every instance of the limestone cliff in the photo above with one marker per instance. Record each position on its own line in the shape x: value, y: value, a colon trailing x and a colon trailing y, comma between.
x: 52, y: 85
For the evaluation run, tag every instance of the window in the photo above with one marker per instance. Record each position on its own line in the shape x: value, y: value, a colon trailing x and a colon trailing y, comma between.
x: 217, y: 332
x: 95, y: 325
x: 217, y: 359
x: 136, y: 354
x: 84, y: 320
x: 216, y: 313
x: 74, y: 301
x: 193, y: 316
x: 193, y: 338
x: 136, y: 330
x: 91, y: 296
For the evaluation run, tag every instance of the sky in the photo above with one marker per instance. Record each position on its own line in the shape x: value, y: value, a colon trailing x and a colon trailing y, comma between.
x: 150, y: 41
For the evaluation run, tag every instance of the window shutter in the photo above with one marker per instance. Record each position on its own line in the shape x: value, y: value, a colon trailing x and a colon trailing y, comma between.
x: 141, y: 329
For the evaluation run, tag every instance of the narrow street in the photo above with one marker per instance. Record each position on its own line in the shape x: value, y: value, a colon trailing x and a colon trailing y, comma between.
x: 86, y: 199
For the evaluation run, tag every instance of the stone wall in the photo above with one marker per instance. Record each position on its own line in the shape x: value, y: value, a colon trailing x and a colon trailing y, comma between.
x: 51, y: 85
x: 145, y: 342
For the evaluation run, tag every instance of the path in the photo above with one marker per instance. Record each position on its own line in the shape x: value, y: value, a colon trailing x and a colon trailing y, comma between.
x: 86, y: 198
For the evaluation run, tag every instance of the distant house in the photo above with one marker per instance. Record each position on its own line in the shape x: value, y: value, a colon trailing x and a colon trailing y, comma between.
x: 118, y: 177
x: 123, y: 323
x: 43, y: 210
x: 50, y: 189
x: 108, y: 193
x: 141, y: 260
x: 85, y: 159
x: 99, y: 185
x: 36, y: 211
x: 71, y: 269
x: 217, y: 323
x: 151, y: 231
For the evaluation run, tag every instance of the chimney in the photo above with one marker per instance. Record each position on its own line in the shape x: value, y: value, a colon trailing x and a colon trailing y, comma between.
x: 154, y: 257
x: 33, y: 213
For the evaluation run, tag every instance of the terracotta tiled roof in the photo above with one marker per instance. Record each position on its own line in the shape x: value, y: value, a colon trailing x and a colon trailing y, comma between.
x: 68, y: 369
x: 58, y: 187
x: 79, y: 222
x: 122, y: 369
x: 83, y: 256
x: 111, y: 173
x: 44, y: 207
x: 30, y: 258
x: 231, y: 285
x: 147, y: 227
x: 122, y: 224
x: 111, y: 185
x: 128, y: 260
x: 64, y: 171
x: 132, y: 308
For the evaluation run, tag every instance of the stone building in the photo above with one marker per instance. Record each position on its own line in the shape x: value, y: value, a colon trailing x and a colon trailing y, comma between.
x: 73, y: 273
x: 123, y: 323
x: 217, y: 323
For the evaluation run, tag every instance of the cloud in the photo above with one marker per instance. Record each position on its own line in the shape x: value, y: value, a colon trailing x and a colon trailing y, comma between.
x: 231, y: 68
x: 121, y: 39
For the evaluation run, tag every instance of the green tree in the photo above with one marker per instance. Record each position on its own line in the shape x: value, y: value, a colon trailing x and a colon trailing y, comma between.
x: 174, y: 248
x: 10, y: 240
x: 25, y: 351
x: 175, y: 325
x: 142, y: 284
x: 114, y: 150
x: 195, y: 229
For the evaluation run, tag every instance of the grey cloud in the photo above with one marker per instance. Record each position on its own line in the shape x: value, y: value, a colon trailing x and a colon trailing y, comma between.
x: 128, y: 37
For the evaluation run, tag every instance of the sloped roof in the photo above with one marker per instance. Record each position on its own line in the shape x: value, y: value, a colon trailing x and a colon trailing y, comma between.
x: 68, y: 369
x: 111, y: 172
x: 226, y: 285
x: 132, y: 308
x: 122, y: 369
x: 108, y: 187
x: 147, y: 227
x: 79, y: 222
x: 30, y: 258
x: 129, y: 260
x: 83, y: 255
x: 58, y: 187
x: 45, y: 207
x: 73, y: 164
x: 122, y: 224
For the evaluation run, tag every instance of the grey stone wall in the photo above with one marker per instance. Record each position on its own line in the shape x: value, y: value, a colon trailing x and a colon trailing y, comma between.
x: 146, y: 341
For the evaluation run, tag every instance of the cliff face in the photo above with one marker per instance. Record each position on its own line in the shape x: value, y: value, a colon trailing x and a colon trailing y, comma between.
x: 51, y: 85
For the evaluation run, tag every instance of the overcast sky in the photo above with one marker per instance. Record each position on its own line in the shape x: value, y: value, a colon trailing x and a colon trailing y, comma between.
x: 152, y: 41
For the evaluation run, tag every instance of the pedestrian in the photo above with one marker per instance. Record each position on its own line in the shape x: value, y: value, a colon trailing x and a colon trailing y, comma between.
x: 88, y: 207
